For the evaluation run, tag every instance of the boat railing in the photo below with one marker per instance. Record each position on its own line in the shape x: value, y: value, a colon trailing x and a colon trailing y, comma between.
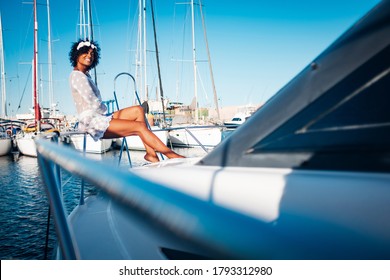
x: 199, y: 223
x: 124, y: 142
x: 186, y: 128
x: 54, y: 177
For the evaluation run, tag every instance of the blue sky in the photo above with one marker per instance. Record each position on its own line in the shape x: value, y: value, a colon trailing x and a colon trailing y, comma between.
x: 256, y: 46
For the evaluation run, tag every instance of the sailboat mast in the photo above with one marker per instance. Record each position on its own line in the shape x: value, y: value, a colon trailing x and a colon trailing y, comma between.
x: 209, y: 60
x: 2, y: 69
x: 194, y: 61
x: 158, y: 61
x: 90, y: 35
x: 82, y: 20
x: 50, y: 66
x: 138, y: 55
x: 89, y: 20
x: 35, y: 76
x: 144, y: 51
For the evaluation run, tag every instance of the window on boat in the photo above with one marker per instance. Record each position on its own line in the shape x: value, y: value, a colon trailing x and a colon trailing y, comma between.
x: 348, y: 126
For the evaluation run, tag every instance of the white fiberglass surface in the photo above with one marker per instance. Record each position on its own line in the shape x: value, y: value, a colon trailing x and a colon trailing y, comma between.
x: 352, y: 200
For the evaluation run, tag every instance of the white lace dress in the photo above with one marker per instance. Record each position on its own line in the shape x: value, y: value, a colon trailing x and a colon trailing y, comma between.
x: 92, y: 113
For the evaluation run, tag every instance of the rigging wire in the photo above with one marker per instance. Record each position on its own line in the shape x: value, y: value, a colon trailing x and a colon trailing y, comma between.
x: 158, y: 61
x: 23, y: 45
x: 209, y: 60
x: 91, y: 34
x: 24, y: 89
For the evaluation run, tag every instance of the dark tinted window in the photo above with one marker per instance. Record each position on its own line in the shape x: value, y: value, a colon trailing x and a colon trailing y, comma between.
x: 350, y: 123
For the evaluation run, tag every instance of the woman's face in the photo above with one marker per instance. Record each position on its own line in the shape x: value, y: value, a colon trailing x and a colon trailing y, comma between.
x: 86, y: 59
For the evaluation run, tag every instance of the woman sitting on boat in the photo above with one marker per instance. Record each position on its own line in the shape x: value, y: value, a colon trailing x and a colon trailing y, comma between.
x: 92, y: 113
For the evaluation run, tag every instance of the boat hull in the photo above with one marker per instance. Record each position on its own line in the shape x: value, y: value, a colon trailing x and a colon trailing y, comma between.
x: 5, y: 146
x: 26, y: 145
x: 297, y: 214
x: 208, y: 137
x: 95, y: 147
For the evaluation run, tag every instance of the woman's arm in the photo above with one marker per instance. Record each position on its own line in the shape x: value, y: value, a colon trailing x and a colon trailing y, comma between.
x: 86, y: 95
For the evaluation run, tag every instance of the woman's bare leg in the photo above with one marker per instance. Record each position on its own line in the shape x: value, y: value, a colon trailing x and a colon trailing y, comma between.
x: 122, y: 128
x: 136, y: 113
x: 131, y: 121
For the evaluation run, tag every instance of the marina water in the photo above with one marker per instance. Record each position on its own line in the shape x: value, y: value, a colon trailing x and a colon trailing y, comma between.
x: 24, y: 206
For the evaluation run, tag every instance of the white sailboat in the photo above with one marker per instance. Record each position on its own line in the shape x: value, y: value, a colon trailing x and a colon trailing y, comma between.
x: 26, y: 140
x: 194, y: 134
x: 5, y: 139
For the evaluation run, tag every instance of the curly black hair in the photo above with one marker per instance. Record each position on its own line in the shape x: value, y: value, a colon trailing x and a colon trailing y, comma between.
x: 75, y: 53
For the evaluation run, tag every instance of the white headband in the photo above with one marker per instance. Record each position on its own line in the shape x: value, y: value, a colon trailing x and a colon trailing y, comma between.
x: 85, y: 44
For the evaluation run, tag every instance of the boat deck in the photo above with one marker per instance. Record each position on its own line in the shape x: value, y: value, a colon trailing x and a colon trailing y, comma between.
x: 105, y: 230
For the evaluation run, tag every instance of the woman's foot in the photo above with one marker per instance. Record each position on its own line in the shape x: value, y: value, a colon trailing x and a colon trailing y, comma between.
x: 151, y: 158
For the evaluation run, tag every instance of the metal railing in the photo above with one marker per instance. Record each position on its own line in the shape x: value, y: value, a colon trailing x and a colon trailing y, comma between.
x: 220, y: 233
x: 124, y: 142
x: 187, y: 128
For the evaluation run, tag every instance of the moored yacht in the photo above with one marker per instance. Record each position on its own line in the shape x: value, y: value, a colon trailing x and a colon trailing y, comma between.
x: 237, y: 120
x: 306, y: 177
